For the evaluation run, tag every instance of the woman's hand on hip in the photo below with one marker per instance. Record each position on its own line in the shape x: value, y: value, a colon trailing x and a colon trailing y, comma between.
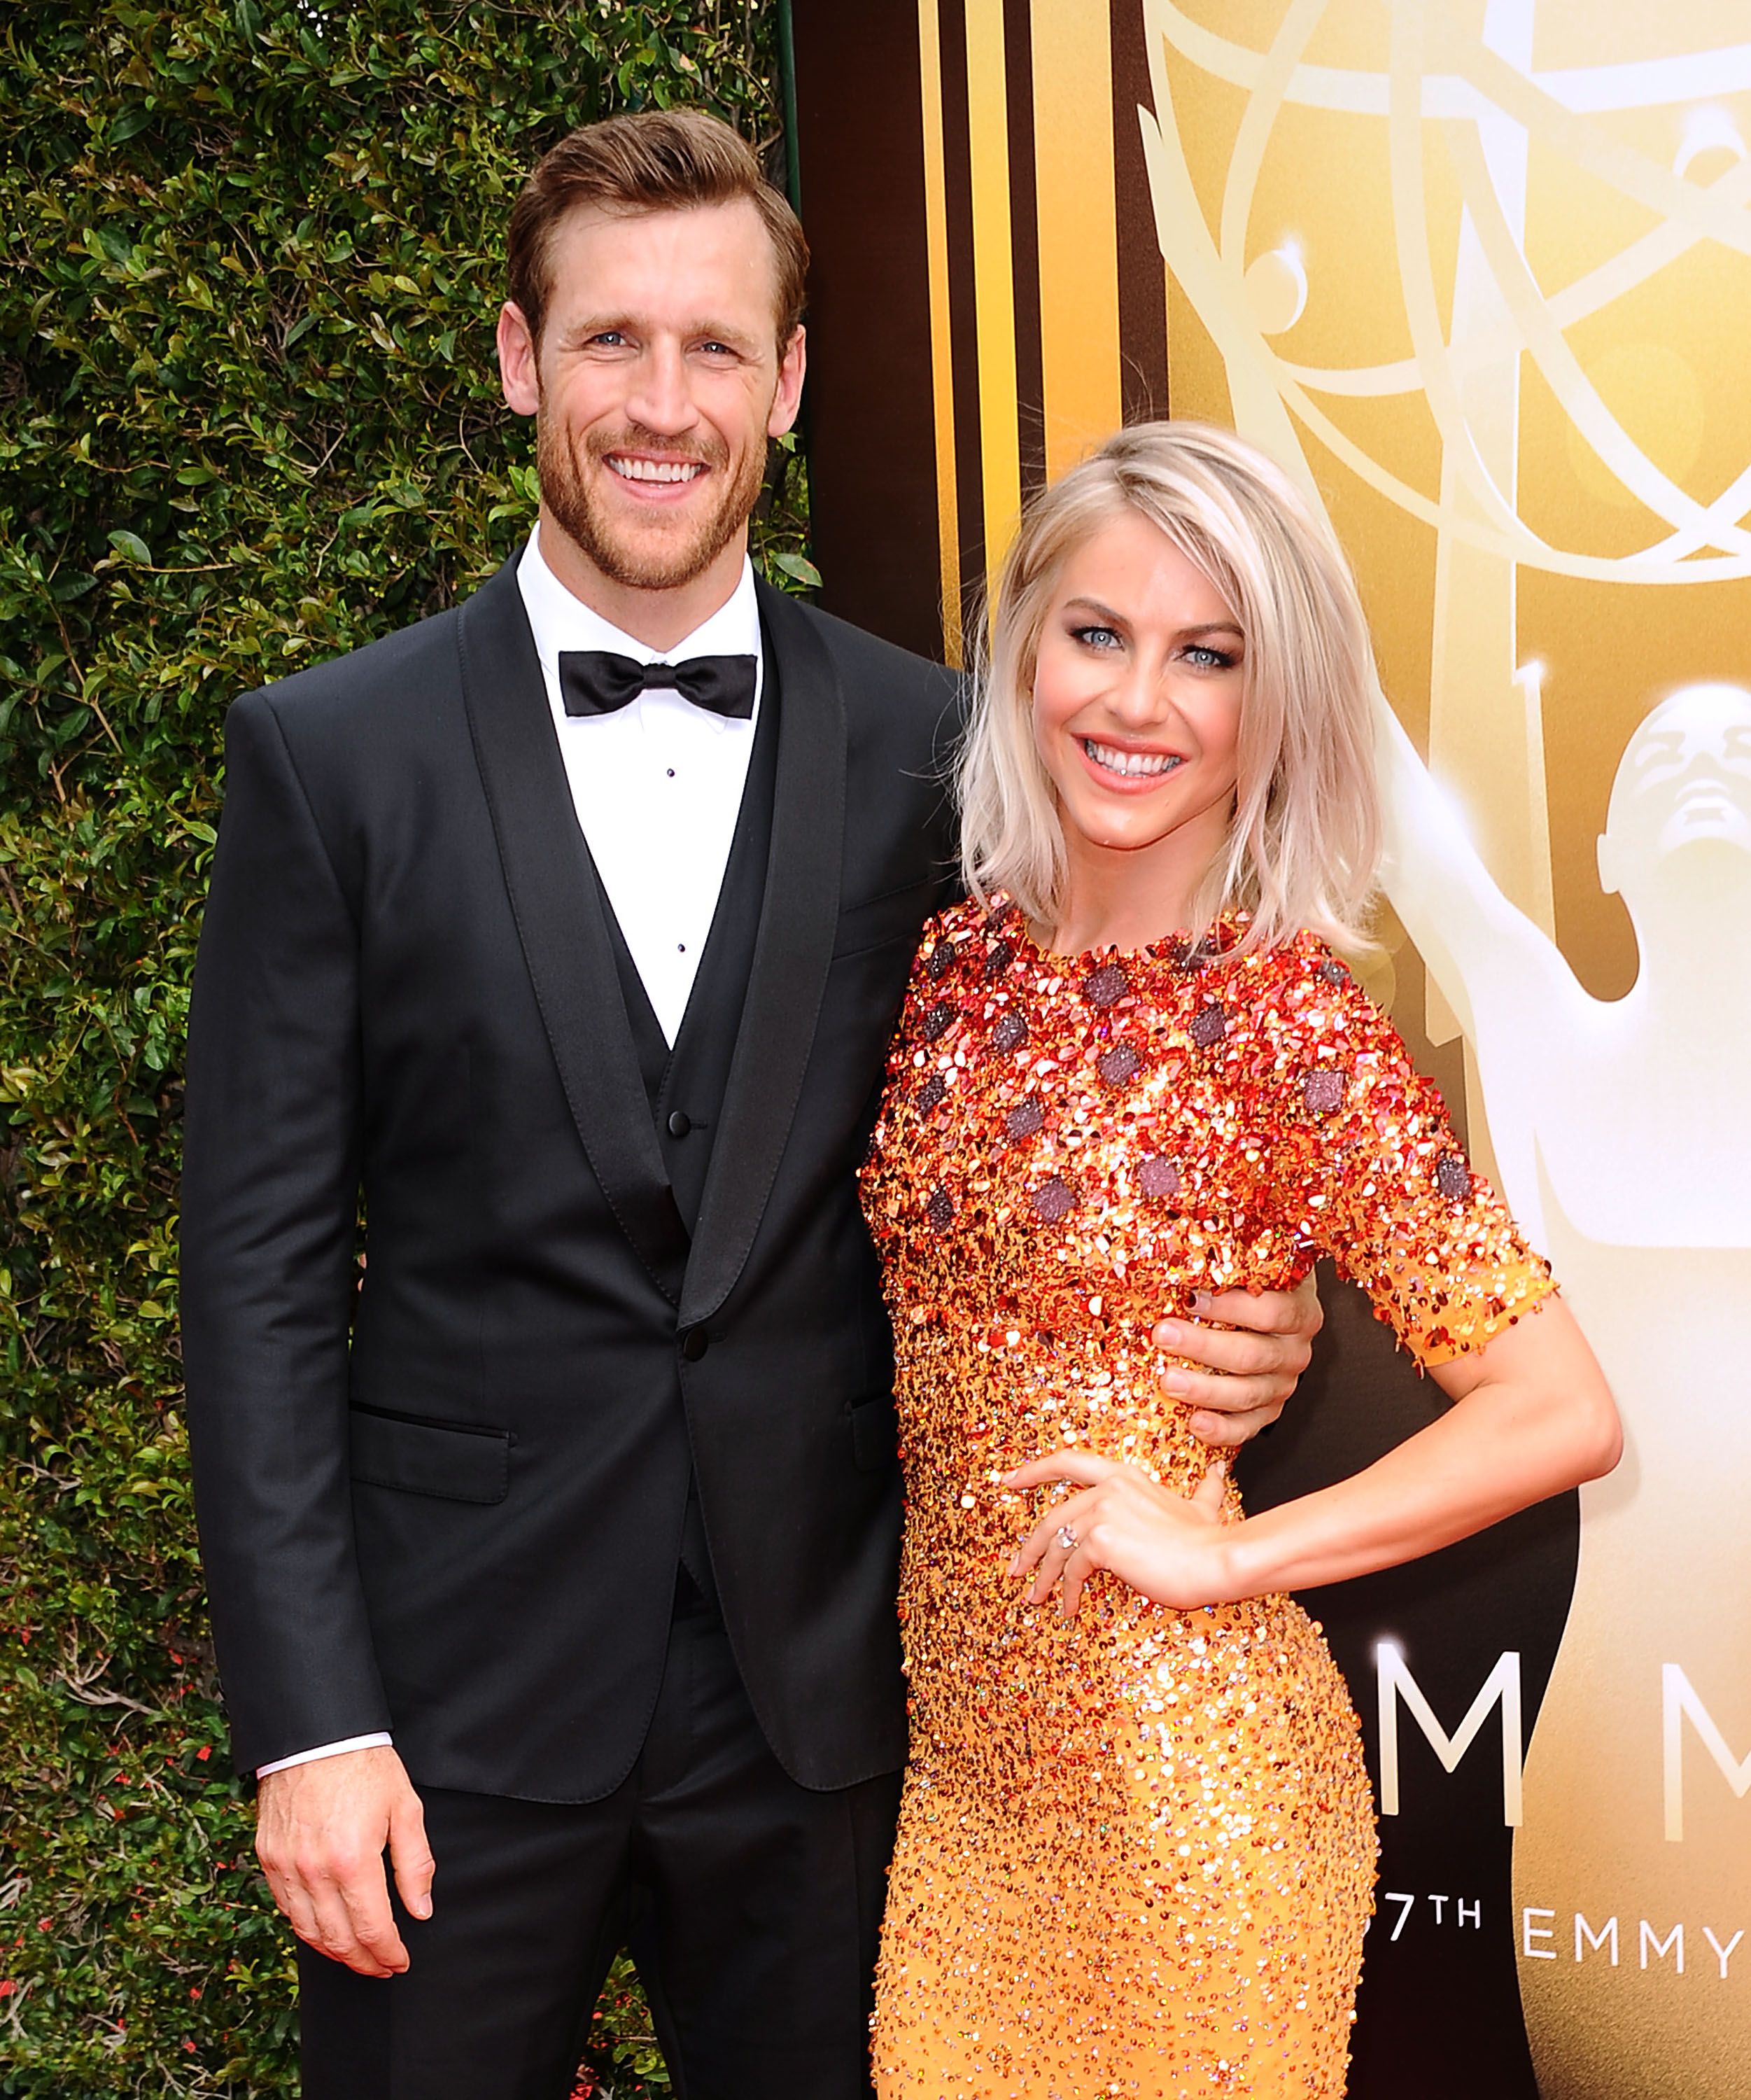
x: 1172, y: 1549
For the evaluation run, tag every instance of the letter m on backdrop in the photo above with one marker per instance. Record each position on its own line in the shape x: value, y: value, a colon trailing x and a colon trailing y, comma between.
x: 1679, y: 1702
x: 1501, y: 1687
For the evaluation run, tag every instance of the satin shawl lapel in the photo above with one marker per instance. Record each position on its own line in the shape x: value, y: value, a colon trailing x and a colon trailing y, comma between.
x: 559, y: 921
x: 798, y: 923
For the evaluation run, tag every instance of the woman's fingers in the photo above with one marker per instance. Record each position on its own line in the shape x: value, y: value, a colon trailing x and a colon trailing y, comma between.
x: 1080, y: 1565
x: 1212, y: 1490
x: 1112, y: 1523
x: 1074, y: 1514
x: 1083, y: 1467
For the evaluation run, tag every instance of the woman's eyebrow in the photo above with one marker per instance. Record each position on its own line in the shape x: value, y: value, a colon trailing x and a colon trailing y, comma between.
x: 1100, y: 611
x: 1105, y: 612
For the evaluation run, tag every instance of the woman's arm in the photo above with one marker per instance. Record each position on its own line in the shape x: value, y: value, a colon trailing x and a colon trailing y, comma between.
x: 1533, y: 1416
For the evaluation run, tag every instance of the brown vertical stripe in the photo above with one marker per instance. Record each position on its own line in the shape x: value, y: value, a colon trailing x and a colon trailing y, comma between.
x: 870, y: 400
x: 1142, y: 274
x: 957, y: 162
x: 1024, y: 244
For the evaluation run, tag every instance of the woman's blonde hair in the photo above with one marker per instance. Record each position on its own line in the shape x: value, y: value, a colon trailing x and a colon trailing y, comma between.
x: 1303, y: 845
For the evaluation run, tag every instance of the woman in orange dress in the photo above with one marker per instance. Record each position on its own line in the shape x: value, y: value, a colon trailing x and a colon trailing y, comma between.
x: 1136, y: 1849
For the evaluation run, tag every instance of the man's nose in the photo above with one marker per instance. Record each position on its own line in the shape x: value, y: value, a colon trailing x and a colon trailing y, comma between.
x: 660, y: 399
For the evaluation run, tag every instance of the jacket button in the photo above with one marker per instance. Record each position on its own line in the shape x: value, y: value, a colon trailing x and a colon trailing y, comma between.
x: 679, y: 1123
x: 693, y: 1344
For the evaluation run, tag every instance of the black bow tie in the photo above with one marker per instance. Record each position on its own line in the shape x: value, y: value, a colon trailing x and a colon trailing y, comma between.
x: 596, y: 682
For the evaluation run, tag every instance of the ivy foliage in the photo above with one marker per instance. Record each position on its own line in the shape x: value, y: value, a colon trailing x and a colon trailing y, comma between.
x: 250, y: 257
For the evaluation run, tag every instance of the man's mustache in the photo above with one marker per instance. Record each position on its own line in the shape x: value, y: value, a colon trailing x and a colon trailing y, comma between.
x: 633, y: 438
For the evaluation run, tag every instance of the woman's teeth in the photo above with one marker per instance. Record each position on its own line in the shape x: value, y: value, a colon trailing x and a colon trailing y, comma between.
x: 1131, y: 764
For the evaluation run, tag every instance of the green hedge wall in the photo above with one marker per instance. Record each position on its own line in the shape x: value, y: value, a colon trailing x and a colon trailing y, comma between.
x: 250, y: 262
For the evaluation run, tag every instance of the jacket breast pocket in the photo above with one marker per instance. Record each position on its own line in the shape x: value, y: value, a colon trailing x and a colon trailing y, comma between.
x: 875, y: 1435
x: 424, y: 1457
x: 896, y: 915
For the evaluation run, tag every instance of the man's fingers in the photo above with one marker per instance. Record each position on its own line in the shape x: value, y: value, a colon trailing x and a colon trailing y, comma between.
x: 1312, y: 1311
x: 295, y: 1905
x: 1204, y: 1392
x: 1288, y: 1312
x: 1297, y: 1312
x: 377, y: 1947
x: 412, y: 1856
x: 1228, y: 1431
x: 1233, y: 1351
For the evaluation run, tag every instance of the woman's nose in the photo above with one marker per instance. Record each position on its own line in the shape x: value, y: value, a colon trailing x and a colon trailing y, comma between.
x: 1136, y: 697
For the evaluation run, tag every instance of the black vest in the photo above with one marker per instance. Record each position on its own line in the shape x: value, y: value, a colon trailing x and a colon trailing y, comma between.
x: 686, y: 1083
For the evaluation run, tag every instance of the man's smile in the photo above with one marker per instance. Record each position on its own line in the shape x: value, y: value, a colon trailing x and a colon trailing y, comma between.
x: 631, y: 466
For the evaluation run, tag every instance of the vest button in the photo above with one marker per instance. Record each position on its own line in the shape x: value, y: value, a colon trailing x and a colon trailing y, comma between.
x: 693, y: 1345
x: 679, y: 1123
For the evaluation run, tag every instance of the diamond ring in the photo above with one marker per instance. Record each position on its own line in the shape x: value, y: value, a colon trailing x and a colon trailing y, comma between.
x: 1066, y: 1538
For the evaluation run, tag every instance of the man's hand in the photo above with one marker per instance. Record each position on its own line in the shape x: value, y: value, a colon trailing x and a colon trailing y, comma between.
x: 321, y: 1833
x: 1250, y: 1373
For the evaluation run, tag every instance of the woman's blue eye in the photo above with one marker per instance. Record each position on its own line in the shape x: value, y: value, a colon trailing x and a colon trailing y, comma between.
x: 1207, y: 659
x: 1096, y: 637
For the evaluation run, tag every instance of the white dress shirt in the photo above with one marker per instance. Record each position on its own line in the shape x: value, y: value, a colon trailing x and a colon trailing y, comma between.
x: 657, y: 786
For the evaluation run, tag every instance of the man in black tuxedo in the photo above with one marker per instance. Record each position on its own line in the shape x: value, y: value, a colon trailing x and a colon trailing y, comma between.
x: 565, y: 933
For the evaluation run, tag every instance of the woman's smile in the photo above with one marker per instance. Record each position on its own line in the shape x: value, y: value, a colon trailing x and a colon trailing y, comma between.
x: 1119, y: 763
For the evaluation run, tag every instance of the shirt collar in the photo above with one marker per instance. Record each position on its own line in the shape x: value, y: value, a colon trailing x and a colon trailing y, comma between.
x: 559, y: 621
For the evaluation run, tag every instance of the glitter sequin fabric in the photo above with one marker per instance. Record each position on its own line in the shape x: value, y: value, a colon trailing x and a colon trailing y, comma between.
x: 1136, y: 1849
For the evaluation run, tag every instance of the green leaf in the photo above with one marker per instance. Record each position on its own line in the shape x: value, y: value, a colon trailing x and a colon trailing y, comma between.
x: 799, y: 566
x: 132, y: 122
x: 195, y: 187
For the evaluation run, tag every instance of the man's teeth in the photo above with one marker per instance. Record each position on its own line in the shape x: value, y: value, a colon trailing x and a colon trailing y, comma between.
x: 1133, y: 765
x: 645, y: 470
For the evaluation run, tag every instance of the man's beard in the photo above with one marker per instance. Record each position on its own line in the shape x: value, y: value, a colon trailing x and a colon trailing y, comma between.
x: 619, y: 555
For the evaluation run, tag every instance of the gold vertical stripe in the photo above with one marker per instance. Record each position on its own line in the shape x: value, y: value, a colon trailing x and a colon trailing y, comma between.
x: 1078, y: 225
x: 941, y: 333
x: 993, y: 289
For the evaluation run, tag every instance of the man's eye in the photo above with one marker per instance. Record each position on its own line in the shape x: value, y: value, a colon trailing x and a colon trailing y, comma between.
x: 717, y: 348
x: 609, y: 338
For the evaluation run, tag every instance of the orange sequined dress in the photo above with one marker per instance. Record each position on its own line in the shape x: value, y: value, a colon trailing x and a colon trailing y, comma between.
x: 1136, y: 1850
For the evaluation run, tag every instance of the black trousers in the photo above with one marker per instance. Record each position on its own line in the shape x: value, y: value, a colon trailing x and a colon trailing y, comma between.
x: 752, y: 1907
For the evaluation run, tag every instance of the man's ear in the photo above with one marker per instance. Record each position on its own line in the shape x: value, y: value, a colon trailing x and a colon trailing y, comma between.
x: 788, y: 398
x: 518, y: 374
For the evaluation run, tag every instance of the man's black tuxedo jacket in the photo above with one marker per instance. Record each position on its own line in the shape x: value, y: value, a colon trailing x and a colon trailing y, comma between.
x: 450, y: 1504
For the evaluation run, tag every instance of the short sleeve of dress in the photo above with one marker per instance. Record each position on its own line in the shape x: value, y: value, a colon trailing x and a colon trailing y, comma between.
x: 1378, y: 1181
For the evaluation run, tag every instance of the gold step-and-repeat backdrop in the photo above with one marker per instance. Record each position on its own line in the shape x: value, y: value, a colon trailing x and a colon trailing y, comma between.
x: 1479, y: 273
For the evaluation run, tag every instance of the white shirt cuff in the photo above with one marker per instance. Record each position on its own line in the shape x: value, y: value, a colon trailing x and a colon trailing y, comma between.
x: 327, y: 1750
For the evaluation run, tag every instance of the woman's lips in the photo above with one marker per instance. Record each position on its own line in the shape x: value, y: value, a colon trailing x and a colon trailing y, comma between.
x: 1114, y: 766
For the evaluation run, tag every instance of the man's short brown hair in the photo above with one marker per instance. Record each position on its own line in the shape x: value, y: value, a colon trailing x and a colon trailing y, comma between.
x: 652, y: 159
